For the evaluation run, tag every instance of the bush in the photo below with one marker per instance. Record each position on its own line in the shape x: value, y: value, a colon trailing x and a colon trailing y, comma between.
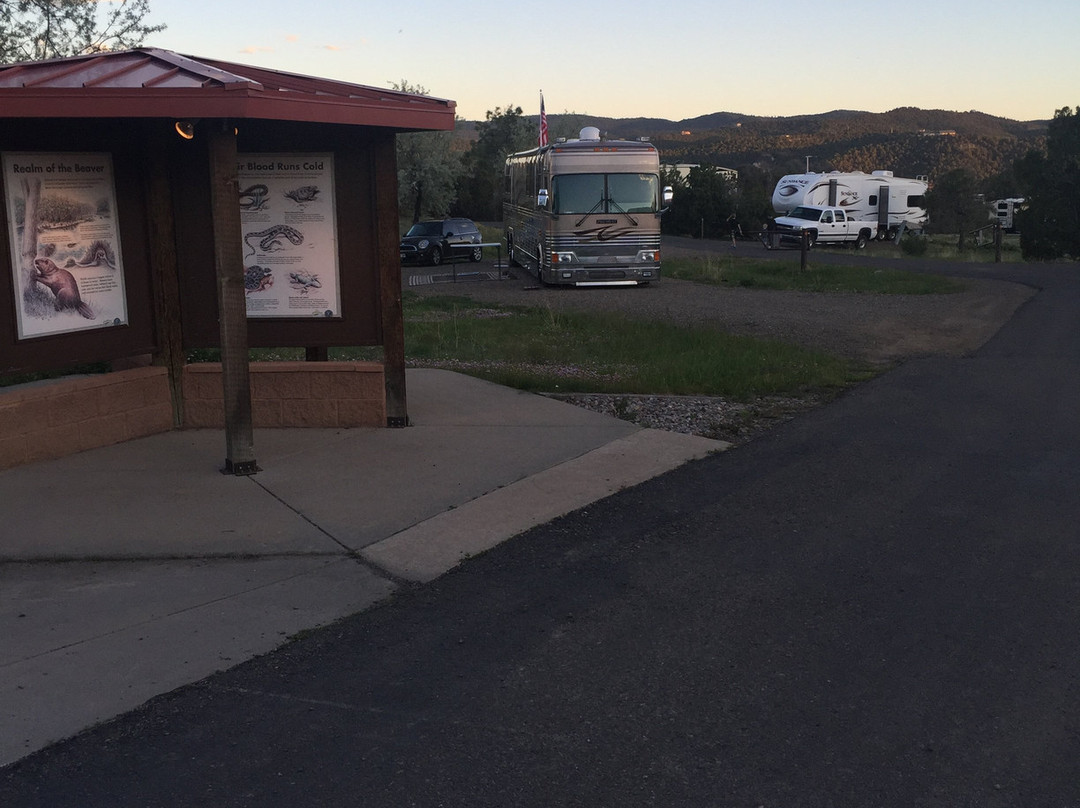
x: 914, y: 246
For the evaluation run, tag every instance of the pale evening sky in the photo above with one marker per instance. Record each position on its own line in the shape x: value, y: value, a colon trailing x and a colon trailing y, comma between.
x: 677, y: 59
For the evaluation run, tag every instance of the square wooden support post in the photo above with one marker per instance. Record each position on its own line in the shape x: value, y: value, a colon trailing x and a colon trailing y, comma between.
x: 388, y: 242
x: 232, y: 305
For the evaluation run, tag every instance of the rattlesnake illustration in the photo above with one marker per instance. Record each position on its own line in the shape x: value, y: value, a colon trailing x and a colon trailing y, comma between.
x: 270, y: 239
x: 253, y: 197
x: 257, y: 278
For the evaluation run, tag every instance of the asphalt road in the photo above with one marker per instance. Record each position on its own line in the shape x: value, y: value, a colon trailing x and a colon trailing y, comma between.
x: 877, y: 604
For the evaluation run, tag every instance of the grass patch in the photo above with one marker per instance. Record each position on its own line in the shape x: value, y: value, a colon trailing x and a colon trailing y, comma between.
x: 539, y: 349
x: 818, y: 277
x: 943, y: 247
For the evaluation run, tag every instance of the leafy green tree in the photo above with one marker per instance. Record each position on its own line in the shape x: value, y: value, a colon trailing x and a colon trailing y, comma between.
x: 503, y: 132
x: 1050, y: 227
x: 954, y: 205
x: 754, y: 197
x: 32, y: 30
x: 428, y: 166
x: 703, y: 206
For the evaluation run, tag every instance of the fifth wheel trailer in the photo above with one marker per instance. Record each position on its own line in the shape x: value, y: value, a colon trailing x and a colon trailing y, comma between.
x: 893, y: 202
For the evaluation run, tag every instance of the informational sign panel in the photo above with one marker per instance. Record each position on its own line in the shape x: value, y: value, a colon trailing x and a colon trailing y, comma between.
x: 65, y: 242
x: 289, y: 234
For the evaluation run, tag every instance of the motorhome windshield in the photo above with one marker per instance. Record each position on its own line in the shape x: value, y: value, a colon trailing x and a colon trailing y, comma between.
x: 810, y: 214
x: 605, y: 193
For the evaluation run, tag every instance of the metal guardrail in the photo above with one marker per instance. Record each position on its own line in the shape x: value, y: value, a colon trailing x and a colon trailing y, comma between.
x: 497, y: 245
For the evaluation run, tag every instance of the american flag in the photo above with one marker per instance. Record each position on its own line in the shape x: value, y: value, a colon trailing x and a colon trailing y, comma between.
x: 543, y: 123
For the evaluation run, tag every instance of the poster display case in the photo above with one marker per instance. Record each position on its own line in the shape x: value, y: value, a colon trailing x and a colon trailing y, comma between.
x: 67, y: 265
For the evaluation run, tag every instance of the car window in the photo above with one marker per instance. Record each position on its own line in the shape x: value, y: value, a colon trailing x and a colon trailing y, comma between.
x: 428, y: 229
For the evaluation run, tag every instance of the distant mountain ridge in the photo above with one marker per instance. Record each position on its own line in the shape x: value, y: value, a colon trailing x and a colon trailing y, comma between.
x: 901, y: 119
x: 907, y: 140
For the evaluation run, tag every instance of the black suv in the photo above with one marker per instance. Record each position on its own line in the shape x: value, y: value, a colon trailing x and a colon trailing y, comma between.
x: 438, y: 241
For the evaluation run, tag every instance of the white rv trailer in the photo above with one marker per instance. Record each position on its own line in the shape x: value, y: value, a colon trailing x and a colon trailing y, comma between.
x: 1003, y: 211
x: 892, y: 202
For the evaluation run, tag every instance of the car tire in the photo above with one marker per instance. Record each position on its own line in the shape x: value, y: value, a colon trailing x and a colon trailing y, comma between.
x: 860, y: 241
x: 476, y: 254
x: 435, y: 256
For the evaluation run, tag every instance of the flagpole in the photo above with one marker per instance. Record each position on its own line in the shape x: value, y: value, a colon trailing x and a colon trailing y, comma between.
x: 542, y: 140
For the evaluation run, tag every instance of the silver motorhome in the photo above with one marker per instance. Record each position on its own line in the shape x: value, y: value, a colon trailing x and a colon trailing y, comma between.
x: 893, y: 202
x: 585, y: 212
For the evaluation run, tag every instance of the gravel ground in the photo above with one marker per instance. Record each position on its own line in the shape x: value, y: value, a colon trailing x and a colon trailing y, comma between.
x: 879, y: 330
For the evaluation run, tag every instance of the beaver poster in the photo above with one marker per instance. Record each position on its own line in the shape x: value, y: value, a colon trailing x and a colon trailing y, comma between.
x: 289, y: 234
x: 65, y: 246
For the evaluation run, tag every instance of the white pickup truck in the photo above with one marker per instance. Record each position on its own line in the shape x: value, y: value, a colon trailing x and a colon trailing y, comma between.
x: 825, y: 225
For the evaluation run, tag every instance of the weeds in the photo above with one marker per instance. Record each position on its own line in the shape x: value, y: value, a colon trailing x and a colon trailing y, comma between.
x: 818, y: 277
x: 542, y: 350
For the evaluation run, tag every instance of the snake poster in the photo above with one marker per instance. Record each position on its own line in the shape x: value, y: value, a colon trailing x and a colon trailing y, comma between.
x: 65, y: 242
x: 289, y: 234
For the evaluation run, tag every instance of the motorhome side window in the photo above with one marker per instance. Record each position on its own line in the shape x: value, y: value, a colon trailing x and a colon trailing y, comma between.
x: 873, y: 200
x: 916, y: 201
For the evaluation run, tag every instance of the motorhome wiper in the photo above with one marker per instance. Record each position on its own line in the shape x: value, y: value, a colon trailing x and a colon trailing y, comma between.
x: 592, y: 210
x: 622, y: 210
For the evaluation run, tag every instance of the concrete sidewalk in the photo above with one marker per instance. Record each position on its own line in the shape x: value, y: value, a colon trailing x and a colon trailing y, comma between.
x: 128, y: 571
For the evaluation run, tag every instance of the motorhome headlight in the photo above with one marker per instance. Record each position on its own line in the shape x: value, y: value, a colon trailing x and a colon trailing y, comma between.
x: 650, y: 256
x: 562, y: 257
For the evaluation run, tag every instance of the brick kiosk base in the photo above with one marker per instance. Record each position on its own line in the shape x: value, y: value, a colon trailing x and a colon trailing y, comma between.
x: 46, y: 421
x: 292, y: 394
x: 65, y: 416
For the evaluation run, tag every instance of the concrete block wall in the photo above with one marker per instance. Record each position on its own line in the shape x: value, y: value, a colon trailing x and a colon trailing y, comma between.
x: 292, y: 394
x: 47, y: 421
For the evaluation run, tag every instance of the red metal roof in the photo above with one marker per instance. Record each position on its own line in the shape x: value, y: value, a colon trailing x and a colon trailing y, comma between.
x: 154, y: 83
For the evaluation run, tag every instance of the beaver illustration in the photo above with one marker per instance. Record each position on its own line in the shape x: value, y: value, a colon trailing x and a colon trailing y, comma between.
x: 62, y: 284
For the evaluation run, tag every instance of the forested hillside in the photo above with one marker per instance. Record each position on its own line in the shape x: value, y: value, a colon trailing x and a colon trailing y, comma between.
x: 907, y: 141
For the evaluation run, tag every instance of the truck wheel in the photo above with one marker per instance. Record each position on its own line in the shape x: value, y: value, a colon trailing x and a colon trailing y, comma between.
x: 860, y: 242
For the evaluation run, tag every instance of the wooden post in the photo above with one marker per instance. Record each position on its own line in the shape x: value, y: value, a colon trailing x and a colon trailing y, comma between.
x: 997, y: 242
x: 804, y: 248
x: 384, y: 155
x: 232, y: 306
x: 165, y: 276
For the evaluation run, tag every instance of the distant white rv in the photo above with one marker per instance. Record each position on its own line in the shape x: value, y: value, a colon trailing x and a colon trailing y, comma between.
x: 892, y: 202
x: 1003, y: 211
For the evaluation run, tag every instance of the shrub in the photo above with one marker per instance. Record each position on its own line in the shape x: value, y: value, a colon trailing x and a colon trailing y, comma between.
x: 914, y: 245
